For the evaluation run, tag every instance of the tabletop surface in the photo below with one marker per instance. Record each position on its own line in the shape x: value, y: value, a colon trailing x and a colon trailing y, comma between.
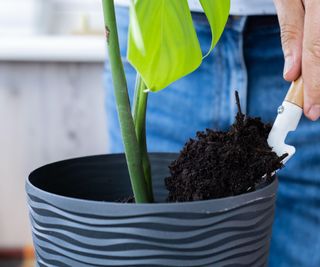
x: 16, y: 263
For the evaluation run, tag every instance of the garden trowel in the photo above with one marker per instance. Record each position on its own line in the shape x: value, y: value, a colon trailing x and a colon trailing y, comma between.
x: 289, y: 114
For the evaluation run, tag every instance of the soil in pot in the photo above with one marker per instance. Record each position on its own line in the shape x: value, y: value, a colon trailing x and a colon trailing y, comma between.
x: 220, y: 164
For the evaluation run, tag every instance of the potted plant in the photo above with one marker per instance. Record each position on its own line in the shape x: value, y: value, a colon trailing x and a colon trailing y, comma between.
x: 75, y: 214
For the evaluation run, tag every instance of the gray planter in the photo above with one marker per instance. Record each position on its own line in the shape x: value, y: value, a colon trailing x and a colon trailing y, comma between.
x: 74, y: 222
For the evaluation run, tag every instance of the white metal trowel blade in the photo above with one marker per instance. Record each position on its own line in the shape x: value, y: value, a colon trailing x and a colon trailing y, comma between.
x: 287, y: 120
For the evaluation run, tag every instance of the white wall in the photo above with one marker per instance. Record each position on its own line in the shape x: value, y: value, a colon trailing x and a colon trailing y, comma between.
x: 18, y: 17
x: 48, y: 112
x: 28, y: 17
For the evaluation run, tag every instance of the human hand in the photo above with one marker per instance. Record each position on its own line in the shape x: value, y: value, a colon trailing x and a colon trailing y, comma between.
x: 300, y: 36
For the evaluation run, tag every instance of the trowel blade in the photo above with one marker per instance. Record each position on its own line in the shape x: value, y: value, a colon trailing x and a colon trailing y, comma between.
x: 287, y: 120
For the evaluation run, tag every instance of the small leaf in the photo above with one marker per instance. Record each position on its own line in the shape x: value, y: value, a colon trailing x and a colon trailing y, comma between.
x: 163, y: 45
x: 217, y: 12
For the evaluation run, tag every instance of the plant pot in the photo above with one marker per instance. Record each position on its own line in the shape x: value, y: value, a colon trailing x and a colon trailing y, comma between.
x: 74, y: 224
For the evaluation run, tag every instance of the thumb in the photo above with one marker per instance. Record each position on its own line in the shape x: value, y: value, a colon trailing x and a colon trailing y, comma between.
x: 291, y: 19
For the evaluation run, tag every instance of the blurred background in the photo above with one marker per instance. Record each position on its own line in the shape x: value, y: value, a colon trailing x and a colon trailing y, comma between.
x: 51, y: 97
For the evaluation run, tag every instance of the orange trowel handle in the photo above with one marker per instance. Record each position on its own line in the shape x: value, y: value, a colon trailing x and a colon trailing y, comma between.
x: 295, y: 93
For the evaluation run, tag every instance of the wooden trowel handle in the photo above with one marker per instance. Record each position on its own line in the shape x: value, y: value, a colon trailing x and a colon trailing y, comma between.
x: 295, y: 93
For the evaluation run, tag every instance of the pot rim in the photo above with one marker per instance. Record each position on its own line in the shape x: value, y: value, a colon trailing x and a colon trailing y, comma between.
x: 268, y: 191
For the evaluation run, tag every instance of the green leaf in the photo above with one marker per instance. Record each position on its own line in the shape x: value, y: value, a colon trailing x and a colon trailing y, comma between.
x: 163, y: 45
x: 217, y: 12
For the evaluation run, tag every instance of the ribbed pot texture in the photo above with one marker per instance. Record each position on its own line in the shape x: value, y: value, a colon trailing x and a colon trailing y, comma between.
x: 75, y: 223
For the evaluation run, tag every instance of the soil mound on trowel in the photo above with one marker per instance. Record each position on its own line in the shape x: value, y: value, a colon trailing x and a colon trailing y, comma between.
x: 219, y: 164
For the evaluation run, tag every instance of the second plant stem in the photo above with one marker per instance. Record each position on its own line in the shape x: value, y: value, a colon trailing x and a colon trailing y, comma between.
x: 139, y: 117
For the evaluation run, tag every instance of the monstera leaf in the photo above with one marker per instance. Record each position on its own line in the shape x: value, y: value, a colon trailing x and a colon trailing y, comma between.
x: 163, y: 44
x: 217, y: 12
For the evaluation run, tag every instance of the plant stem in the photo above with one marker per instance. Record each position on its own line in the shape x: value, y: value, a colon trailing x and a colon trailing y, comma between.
x: 132, y: 150
x: 139, y: 118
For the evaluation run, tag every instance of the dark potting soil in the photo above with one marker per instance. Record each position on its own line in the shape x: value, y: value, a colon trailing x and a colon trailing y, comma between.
x: 220, y: 164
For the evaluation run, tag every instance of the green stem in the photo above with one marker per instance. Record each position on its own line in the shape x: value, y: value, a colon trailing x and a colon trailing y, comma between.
x: 139, y: 118
x: 132, y: 150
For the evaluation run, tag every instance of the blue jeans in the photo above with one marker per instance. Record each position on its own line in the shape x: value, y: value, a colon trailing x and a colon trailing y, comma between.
x: 247, y: 58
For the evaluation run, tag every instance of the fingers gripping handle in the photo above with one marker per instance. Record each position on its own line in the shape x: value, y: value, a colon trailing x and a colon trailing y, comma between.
x: 295, y: 93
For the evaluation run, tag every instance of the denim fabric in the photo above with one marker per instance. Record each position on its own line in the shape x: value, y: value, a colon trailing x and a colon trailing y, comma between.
x: 247, y: 58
